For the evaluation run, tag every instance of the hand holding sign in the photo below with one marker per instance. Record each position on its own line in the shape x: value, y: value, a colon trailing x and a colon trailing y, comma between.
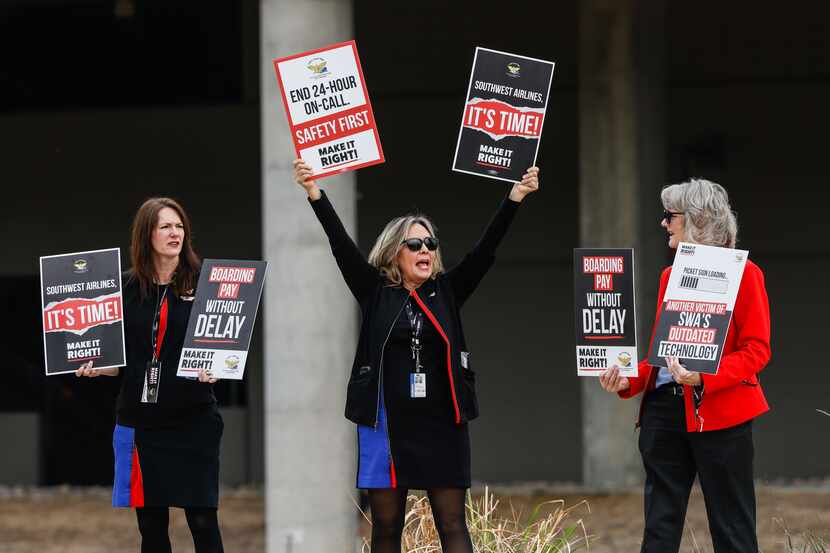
x: 206, y: 375
x: 302, y: 172
x: 611, y: 381
x: 680, y: 374
x: 528, y: 185
x: 87, y: 371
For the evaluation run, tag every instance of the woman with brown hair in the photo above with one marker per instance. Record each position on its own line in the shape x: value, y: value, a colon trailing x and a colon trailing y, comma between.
x: 168, y: 429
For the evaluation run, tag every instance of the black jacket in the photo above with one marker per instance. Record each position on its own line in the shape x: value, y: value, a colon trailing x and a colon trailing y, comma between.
x: 381, y: 304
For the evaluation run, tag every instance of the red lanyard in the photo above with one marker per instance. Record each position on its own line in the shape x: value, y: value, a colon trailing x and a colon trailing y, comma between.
x: 159, y: 324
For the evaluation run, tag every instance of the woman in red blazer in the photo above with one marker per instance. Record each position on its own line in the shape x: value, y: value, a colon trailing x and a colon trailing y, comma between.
x: 694, y: 424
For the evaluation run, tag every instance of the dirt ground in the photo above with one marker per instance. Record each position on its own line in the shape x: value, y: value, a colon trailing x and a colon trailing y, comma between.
x: 81, y: 521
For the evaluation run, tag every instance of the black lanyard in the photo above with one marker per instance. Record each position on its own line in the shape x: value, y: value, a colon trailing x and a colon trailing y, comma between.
x: 416, y: 323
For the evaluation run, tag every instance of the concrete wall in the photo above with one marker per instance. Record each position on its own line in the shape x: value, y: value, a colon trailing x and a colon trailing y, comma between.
x: 519, y: 322
x: 75, y: 179
x: 748, y: 108
x: 73, y: 182
x: 21, y: 449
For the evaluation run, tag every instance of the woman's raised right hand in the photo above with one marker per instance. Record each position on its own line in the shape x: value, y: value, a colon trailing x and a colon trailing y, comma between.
x: 612, y: 382
x: 302, y: 172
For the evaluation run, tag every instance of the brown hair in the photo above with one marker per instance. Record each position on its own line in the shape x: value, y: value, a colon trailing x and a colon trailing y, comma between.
x: 141, y: 248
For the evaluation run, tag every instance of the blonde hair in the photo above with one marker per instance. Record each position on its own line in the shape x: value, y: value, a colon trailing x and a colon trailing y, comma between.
x: 708, y: 217
x: 384, y: 254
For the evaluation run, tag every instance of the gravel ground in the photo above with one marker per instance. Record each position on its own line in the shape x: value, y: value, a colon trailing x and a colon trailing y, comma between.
x: 80, y: 520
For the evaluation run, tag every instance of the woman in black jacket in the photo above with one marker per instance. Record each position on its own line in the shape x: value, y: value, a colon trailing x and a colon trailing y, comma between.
x: 411, y: 390
x: 168, y: 429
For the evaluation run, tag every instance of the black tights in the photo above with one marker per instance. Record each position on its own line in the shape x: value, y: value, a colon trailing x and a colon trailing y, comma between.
x: 203, y: 523
x: 389, y: 509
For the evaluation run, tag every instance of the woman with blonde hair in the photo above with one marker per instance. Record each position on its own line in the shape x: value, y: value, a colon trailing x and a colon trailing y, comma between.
x: 700, y: 425
x: 412, y: 389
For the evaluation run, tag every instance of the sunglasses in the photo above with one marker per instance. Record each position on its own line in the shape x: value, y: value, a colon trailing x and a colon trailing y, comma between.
x: 667, y: 215
x: 415, y: 244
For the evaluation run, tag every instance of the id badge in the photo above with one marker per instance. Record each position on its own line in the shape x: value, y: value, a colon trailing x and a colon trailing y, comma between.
x: 150, y: 393
x: 417, y: 385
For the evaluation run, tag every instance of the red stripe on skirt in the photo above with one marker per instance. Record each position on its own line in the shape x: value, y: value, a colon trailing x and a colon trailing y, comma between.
x: 136, y: 482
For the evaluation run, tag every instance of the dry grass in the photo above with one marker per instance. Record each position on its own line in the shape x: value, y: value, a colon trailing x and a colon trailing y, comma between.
x: 550, y: 528
x: 805, y: 542
x: 81, y: 521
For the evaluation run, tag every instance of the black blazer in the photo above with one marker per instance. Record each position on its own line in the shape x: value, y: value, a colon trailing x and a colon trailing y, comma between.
x: 381, y: 305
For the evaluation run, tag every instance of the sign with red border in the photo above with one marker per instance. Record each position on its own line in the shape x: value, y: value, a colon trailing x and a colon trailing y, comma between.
x: 327, y: 104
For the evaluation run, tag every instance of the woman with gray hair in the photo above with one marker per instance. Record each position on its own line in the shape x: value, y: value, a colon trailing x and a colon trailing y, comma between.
x: 694, y: 424
x: 412, y: 388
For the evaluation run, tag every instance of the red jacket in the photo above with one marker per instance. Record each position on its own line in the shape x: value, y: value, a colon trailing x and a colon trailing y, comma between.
x: 734, y: 395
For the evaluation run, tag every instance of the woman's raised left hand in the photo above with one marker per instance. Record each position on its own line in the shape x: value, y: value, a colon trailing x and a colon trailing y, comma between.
x: 205, y: 376
x: 680, y: 374
x: 528, y: 184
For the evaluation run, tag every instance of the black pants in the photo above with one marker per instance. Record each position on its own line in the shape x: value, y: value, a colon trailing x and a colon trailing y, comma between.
x: 203, y: 523
x: 722, y: 461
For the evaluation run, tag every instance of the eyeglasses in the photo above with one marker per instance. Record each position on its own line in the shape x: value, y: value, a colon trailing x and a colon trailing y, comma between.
x: 667, y: 215
x: 414, y: 244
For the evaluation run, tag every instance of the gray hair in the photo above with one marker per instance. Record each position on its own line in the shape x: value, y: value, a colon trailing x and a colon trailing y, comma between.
x: 708, y: 218
x: 384, y: 254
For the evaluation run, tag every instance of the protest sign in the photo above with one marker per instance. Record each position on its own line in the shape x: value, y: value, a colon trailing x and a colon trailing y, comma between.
x: 328, y: 109
x: 604, y: 311
x: 222, y: 318
x: 83, y: 311
x: 502, y: 123
x: 697, y: 306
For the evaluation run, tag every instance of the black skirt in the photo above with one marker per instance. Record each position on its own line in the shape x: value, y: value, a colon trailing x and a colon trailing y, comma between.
x: 417, y: 443
x: 176, y: 466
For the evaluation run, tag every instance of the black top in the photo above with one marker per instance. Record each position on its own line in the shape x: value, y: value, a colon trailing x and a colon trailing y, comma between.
x: 428, y: 448
x: 398, y: 365
x: 179, y: 399
x: 381, y: 305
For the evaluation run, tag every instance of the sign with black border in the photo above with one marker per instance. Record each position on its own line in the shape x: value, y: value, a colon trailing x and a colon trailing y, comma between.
x: 501, y: 127
x: 697, y: 306
x: 83, y: 310
x: 222, y: 318
x: 605, y: 311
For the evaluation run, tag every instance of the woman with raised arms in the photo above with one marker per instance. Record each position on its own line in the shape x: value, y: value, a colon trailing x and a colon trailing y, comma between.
x: 412, y: 389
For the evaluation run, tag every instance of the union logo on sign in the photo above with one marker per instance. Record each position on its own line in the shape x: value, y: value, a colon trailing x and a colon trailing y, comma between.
x: 232, y: 363
x: 318, y: 68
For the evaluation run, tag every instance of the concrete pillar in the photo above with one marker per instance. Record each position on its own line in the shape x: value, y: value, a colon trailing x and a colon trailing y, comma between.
x: 310, y: 317
x: 622, y: 167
